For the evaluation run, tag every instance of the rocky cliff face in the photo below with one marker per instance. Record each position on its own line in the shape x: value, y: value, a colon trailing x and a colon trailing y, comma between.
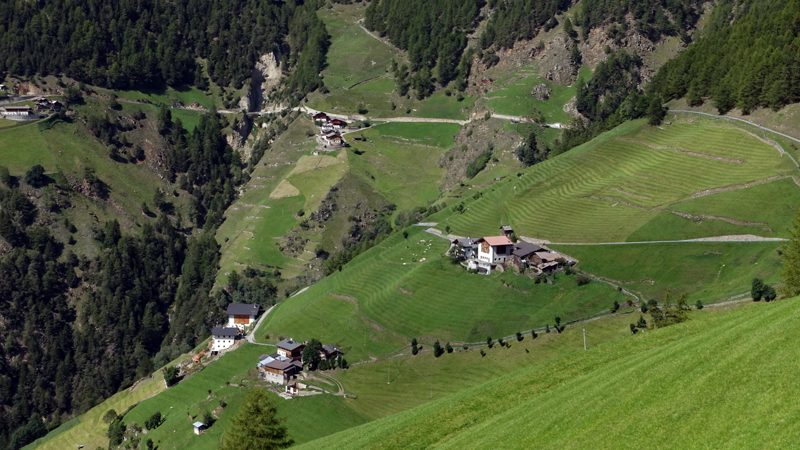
x: 265, y: 78
x: 240, y: 133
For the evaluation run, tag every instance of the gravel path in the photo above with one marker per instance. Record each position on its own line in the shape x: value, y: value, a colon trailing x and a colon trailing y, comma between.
x: 731, y: 238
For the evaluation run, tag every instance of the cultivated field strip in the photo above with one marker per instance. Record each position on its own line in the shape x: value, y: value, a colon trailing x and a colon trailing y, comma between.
x: 571, y: 198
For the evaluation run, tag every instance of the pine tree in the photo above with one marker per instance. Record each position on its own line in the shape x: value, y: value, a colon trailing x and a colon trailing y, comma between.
x: 256, y: 425
x: 656, y: 111
x: 791, y: 261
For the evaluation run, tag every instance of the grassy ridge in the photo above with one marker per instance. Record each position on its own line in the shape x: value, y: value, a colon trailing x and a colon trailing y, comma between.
x: 698, y: 381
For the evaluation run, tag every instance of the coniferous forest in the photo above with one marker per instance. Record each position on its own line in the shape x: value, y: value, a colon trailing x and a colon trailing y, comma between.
x: 748, y: 57
x: 76, y: 328
x: 136, y: 44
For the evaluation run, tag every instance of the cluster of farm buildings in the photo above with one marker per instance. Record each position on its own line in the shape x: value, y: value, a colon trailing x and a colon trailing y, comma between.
x: 279, y: 367
x: 330, y: 130
x: 490, y: 253
x: 42, y: 105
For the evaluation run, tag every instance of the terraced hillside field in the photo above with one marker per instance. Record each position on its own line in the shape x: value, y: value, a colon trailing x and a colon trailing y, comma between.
x: 629, y: 185
x: 404, y: 288
x: 705, y: 383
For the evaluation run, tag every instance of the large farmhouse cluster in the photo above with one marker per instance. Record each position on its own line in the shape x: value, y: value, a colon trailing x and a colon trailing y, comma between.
x: 330, y: 130
x: 287, y: 362
x: 490, y: 253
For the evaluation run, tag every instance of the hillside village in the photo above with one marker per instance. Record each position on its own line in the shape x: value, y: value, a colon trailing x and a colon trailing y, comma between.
x: 188, y: 256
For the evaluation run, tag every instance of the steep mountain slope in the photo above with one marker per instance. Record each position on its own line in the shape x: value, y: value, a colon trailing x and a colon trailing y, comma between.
x: 698, y: 381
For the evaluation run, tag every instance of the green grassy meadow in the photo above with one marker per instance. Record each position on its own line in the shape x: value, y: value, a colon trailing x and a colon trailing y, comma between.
x: 401, y: 160
x: 255, y: 223
x: 308, y: 418
x: 709, y: 271
x: 354, y: 56
x: 89, y: 429
x: 624, y: 179
x: 168, y: 96
x: 403, y: 382
x: 515, y: 97
x: 703, y: 382
x: 24, y: 147
x: 364, y: 310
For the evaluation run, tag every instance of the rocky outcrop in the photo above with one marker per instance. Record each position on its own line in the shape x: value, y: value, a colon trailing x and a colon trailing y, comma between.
x: 264, y: 79
x: 555, y: 61
x: 541, y: 92
x: 241, y: 131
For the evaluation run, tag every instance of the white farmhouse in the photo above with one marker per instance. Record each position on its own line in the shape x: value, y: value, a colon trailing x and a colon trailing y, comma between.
x: 494, y: 249
x: 224, y: 338
x: 240, y: 315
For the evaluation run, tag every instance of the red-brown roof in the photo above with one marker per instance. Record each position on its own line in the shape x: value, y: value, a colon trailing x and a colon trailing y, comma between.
x: 496, y: 240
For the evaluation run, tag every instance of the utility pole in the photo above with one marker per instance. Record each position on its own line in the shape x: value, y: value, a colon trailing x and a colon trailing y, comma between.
x: 584, y: 336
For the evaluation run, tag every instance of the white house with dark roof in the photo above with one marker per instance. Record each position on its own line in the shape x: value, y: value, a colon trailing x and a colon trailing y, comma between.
x: 240, y: 315
x: 223, y: 338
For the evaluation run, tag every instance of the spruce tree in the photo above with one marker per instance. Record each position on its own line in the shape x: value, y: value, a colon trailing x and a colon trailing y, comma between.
x: 256, y: 425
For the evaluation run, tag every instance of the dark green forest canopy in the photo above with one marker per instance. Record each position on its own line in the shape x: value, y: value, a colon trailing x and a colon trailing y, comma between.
x: 753, y: 62
x: 653, y: 18
x: 149, y: 43
x: 515, y: 20
x: 432, y: 32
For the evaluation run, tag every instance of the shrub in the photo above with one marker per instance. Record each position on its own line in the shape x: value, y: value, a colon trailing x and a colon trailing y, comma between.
x: 642, y: 323
x: 757, y: 289
x: 483, y: 353
x: 489, y: 342
x: 769, y: 293
x: 171, y: 375
x: 154, y: 421
x: 35, y: 176
x: 633, y: 329
x: 519, y: 337
x: 698, y: 305
x: 615, y: 307
x: 109, y: 416
x: 478, y: 164
x: 448, y: 348
x: 533, y: 334
x: 582, y: 280
x: 437, y: 349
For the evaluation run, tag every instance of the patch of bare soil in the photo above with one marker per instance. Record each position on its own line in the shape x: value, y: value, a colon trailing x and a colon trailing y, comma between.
x: 404, y: 291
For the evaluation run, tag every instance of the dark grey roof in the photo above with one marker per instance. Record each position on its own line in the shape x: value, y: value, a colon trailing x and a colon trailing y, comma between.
x: 328, y: 348
x: 242, y: 309
x: 466, y: 242
x: 281, y: 365
x: 222, y: 331
x: 506, y: 228
x: 288, y: 344
x: 263, y: 357
x: 524, y: 249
